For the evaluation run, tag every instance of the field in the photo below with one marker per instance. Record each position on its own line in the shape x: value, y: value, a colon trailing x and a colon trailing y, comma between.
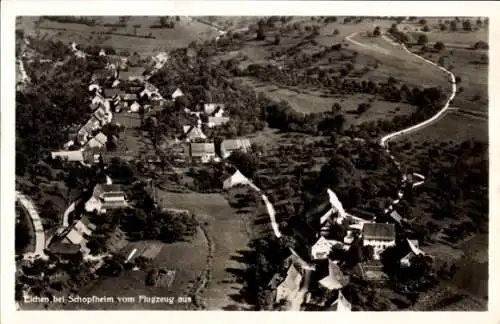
x: 230, y: 232
x: 474, y: 77
x: 185, y: 31
x: 453, y: 127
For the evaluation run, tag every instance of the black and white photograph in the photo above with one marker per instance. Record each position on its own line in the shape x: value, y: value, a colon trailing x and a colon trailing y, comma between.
x: 327, y: 163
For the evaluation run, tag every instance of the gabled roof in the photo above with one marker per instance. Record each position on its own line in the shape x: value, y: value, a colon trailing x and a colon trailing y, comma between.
x: 335, y: 278
x: 101, y: 189
x: 236, y: 144
x: 177, y: 93
x: 395, y: 215
x: 68, y: 155
x: 200, y: 149
x: 111, y: 92
x: 379, y: 231
x: 194, y: 133
x: 341, y: 304
x: 293, y: 279
x: 212, y: 108
x: 100, y: 114
x: 218, y: 120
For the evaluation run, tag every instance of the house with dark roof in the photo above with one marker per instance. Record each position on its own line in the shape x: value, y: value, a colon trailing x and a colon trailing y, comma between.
x: 230, y: 145
x: 378, y: 235
x: 203, y: 152
x: 106, y: 197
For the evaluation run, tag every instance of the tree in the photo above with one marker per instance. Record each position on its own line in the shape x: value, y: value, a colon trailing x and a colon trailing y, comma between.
x: 422, y: 21
x: 376, y: 31
x: 135, y: 29
x: 335, y: 31
x: 453, y: 25
x: 425, y: 28
x: 439, y: 46
x: 466, y: 25
x: 261, y: 35
x: 277, y: 40
x: 479, y: 22
x: 422, y: 39
x: 481, y: 45
x: 163, y: 21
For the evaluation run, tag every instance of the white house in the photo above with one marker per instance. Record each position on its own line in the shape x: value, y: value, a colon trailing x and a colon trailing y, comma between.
x: 380, y: 236
x: 106, y: 197
x: 322, y: 248
x: 177, y: 93
x: 291, y: 285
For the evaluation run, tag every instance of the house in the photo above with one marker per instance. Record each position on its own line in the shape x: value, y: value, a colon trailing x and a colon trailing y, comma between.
x: 217, y: 121
x: 341, y: 304
x: 103, y: 116
x: 134, y: 107
x: 97, y: 141
x: 132, y: 74
x: 193, y: 133
x: 68, y: 156
x: 177, y: 93
x: 106, y: 197
x: 395, y: 215
x: 204, y: 152
x: 335, y: 279
x: 322, y: 248
x: 291, y: 285
x: 229, y: 146
x: 380, y: 236
x: 236, y: 179
x: 78, y: 234
x: 213, y: 108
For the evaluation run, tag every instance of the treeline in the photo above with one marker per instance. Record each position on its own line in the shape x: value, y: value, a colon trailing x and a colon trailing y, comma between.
x: 72, y: 20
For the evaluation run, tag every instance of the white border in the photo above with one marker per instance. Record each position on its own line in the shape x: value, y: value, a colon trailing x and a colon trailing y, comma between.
x: 9, y: 9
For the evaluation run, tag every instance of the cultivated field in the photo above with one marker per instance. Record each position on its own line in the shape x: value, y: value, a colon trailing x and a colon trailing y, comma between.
x: 229, y: 231
x: 185, y: 31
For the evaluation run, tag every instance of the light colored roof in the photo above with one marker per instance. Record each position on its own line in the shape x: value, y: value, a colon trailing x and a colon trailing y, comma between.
x: 177, y: 93
x: 379, y: 231
x: 68, y: 155
x: 101, y: 138
x: 200, y: 149
x: 186, y: 128
x: 195, y: 132
x: 74, y: 236
x: 100, y: 114
x: 218, y: 120
x: 130, y: 96
x: 132, y: 73
x: 341, y: 304
x: 293, y: 279
x: 395, y: 215
x: 235, y: 179
x: 101, y: 189
x: 210, y: 108
x: 236, y: 144
x: 335, y: 278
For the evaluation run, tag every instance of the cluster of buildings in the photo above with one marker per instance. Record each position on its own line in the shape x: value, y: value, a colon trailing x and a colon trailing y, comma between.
x: 323, y: 251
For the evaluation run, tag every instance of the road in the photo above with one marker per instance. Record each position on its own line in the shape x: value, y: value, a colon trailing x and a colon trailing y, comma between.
x: 37, y: 225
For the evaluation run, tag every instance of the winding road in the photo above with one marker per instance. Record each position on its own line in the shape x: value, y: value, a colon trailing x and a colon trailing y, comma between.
x: 37, y: 226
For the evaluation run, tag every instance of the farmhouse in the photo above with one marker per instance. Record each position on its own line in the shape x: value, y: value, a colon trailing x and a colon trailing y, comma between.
x: 193, y: 133
x: 97, y: 141
x: 214, y: 109
x: 217, y: 121
x: 78, y: 233
x: 291, y: 285
x: 106, y: 197
x: 229, y: 146
x: 335, y: 279
x: 341, y: 304
x: 68, y: 155
x: 203, y: 152
x: 379, y: 236
x: 177, y: 93
x: 322, y: 248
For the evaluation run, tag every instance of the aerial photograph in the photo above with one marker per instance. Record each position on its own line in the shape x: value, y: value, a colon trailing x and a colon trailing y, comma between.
x: 251, y: 163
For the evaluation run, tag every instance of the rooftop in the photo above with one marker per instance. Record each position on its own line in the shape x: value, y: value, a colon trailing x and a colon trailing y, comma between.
x: 198, y: 149
x: 379, y: 231
x: 236, y: 144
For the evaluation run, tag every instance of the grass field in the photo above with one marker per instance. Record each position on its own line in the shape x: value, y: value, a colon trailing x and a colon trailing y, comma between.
x: 230, y: 234
x: 452, y: 127
x: 474, y: 77
x: 185, y: 32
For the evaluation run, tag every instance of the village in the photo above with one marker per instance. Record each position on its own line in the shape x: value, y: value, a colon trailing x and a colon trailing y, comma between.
x: 163, y: 163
